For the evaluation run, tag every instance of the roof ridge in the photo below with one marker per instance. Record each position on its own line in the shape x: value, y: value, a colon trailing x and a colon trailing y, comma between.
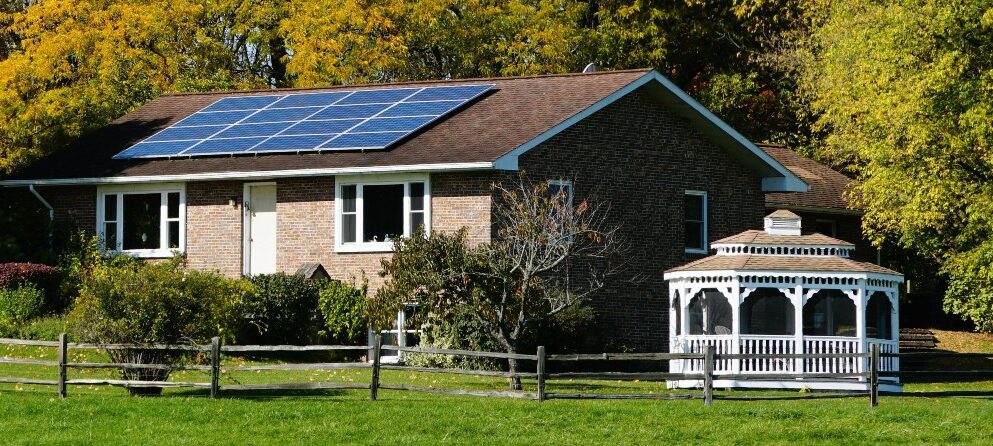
x: 384, y: 84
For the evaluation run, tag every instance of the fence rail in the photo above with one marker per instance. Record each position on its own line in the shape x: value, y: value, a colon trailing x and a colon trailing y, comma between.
x: 707, y: 367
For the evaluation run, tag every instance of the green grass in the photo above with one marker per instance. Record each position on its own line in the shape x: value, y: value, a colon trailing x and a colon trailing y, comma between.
x: 411, y: 418
x: 106, y: 415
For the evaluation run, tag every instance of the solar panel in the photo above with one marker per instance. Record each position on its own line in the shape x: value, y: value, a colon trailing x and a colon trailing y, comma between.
x: 368, y: 119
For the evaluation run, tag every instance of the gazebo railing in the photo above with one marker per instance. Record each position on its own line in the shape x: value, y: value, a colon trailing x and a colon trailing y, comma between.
x: 767, y: 345
x: 771, y: 345
x: 696, y: 344
x: 888, y: 362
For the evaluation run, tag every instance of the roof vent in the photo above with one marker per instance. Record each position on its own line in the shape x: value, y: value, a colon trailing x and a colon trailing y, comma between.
x: 783, y: 222
x: 591, y: 68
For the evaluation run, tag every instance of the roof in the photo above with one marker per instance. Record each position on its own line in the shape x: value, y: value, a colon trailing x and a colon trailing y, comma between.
x: 490, y: 133
x: 782, y: 213
x: 827, y: 186
x: 757, y: 237
x: 781, y: 263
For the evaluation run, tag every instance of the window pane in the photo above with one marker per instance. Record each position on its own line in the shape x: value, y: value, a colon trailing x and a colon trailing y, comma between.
x: 173, y: 235
x: 825, y: 227
x: 142, y: 218
x: 382, y: 207
x: 348, y: 228
x: 694, y: 207
x: 348, y: 198
x: 417, y: 196
x: 174, y: 205
x: 110, y: 236
x: 694, y: 235
x: 416, y: 220
x: 110, y: 208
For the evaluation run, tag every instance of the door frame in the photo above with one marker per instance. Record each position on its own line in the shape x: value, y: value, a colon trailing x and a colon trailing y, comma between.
x: 246, y: 223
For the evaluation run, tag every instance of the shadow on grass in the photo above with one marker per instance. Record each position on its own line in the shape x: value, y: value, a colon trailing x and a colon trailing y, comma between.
x: 945, y: 369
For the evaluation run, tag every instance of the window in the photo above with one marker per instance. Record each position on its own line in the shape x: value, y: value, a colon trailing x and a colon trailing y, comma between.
x: 695, y: 209
x: 710, y: 313
x: 560, y: 192
x: 878, y: 317
x: 826, y: 227
x: 403, y: 333
x: 142, y: 220
x: 829, y: 313
x: 767, y: 311
x: 373, y: 212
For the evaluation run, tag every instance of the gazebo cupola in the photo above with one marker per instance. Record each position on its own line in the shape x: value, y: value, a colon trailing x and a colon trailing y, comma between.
x: 779, y: 291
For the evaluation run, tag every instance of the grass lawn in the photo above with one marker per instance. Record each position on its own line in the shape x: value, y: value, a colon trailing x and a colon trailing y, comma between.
x: 104, y: 415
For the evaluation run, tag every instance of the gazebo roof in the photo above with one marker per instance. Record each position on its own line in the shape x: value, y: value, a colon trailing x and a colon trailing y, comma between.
x: 757, y: 237
x: 782, y: 247
x: 750, y: 262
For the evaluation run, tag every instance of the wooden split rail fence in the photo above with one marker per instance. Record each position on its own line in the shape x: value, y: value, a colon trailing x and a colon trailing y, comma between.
x: 706, y: 374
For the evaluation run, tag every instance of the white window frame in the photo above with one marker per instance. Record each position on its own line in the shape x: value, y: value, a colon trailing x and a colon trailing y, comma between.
x: 163, y: 190
x: 706, y: 228
x: 377, y: 180
x: 567, y: 184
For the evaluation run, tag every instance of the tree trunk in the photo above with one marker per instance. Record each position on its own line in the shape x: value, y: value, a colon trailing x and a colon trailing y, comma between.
x: 515, y: 382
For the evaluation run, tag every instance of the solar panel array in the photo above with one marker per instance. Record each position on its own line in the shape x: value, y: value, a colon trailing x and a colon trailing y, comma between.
x: 305, y: 122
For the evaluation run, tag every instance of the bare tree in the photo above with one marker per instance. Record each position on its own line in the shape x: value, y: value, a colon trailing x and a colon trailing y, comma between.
x: 548, y: 254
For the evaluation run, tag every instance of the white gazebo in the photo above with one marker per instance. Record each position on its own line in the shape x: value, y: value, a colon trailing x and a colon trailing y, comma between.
x: 778, y: 291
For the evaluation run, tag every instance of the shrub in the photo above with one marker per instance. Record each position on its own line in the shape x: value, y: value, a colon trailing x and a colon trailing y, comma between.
x: 283, y: 310
x: 134, y: 302
x: 343, y: 307
x: 80, y: 255
x: 46, y: 328
x: 460, y: 332
x: 17, y: 305
x: 46, y: 278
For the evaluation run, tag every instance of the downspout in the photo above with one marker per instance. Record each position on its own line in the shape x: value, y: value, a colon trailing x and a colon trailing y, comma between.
x: 51, y: 212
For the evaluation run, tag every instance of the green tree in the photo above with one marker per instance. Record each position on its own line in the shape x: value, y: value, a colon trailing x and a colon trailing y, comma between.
x: 903, y: 92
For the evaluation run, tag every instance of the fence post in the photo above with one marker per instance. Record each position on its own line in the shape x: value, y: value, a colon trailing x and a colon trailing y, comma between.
x: 708, y: 375
x: 541, y: 373
x: 376, y: 348
x: 874, y: 375
x: 63, y: 361
x: 215, y: 366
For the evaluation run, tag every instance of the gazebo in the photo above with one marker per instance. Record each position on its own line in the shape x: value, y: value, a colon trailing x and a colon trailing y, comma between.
x: 779, y: 291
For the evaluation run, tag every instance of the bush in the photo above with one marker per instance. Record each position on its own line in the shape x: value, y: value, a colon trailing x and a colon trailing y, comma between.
x: 343, y: 307
x: 461, y: 332
x: 17, y: 305
x: 47, y: 328
x: 133, y: 302
x: 283, y: 310
x: 46, y: 278
x: 80, y: 255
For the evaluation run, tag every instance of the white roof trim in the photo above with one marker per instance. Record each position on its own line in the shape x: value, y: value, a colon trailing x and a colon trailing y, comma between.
x: 788, y: 182
x: 791, y: 273
x: 252, y: 175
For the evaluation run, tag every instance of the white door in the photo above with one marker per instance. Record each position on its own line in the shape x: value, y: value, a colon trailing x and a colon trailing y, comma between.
x: 260, y: 207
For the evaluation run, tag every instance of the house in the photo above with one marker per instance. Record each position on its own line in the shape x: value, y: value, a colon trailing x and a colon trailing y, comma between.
x: 164, y: 178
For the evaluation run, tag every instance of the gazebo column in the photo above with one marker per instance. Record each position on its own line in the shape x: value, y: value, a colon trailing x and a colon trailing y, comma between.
x: 798, y: 301
x: 735, y: 299
x: 895, y: 319
x: 860, y: 332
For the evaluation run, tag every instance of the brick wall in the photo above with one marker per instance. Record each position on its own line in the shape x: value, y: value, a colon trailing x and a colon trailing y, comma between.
x: 639, y: 158
x: 213, y: 226
x: 75, y: 207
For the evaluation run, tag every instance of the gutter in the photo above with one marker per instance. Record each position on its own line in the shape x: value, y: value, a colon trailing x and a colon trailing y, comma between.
x: 51, y: 211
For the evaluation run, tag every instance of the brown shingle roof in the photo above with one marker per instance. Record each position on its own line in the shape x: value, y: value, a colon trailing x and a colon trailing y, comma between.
x: 517, y: 110
x: 756, y: 237
x: 827, y: 186
x: 782, y: 213
x: 781, y: 263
